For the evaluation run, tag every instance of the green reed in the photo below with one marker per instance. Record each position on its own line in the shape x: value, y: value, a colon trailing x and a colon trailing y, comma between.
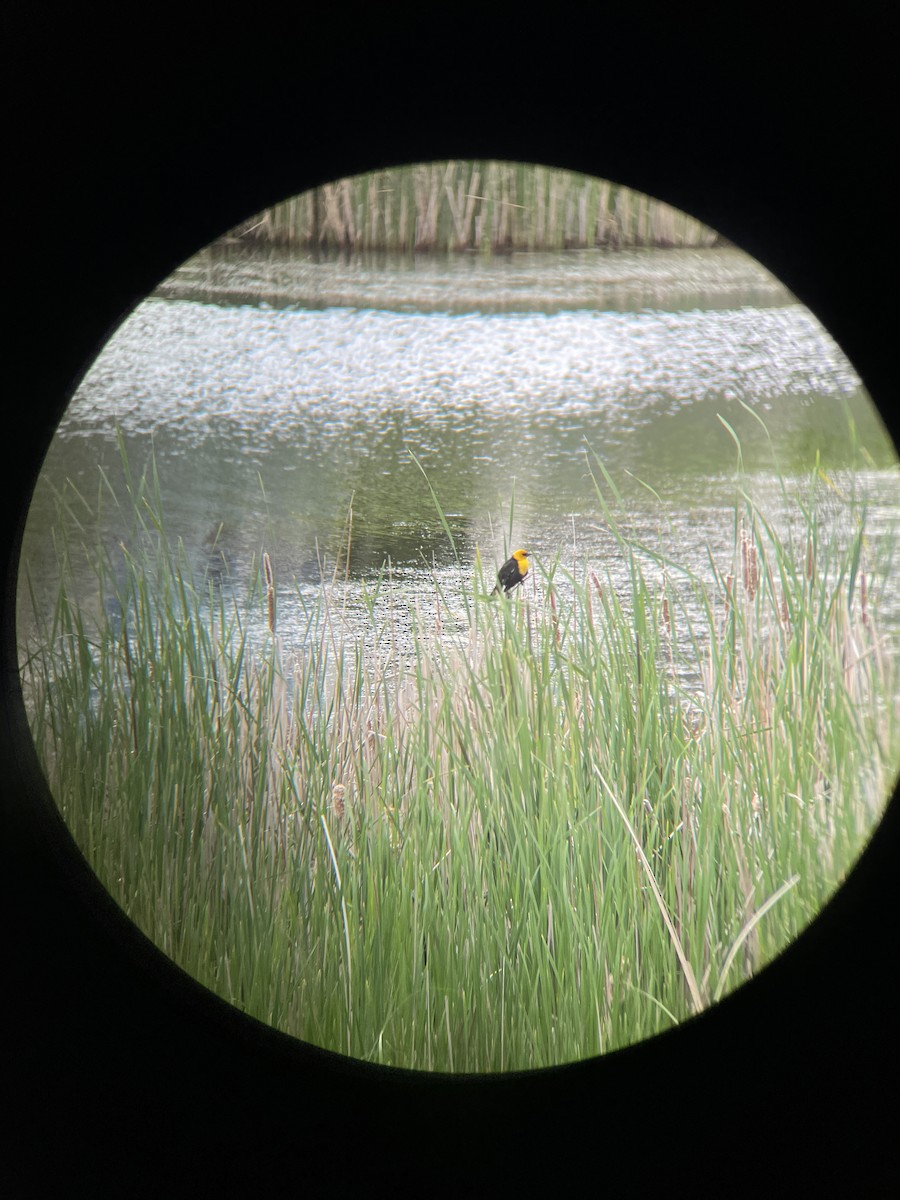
x: 529, y: 843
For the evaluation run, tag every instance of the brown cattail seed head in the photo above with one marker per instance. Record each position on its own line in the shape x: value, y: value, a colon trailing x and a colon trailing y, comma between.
x: 785, y: 615
x: 337, y: 798
x: 750, y: 562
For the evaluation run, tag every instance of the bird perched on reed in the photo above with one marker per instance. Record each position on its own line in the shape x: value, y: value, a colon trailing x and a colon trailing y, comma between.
x: 512, y: 572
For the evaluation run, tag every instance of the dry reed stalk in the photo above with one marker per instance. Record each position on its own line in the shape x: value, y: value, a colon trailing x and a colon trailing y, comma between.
x: 354, y: 227
x: 403, y: 221
x: 473, y: 200
x: 623, y: 217
x: 603, y: 214
x: 490, y: 207
x: 373, y: 209
x: 553, y: 202
x: 554, y: 618
x: 331, y: 201
x: 664, y: 226
x: 582, y: 218
x: 540, y: 212
x: 503, y: 234
x: 462, y: 207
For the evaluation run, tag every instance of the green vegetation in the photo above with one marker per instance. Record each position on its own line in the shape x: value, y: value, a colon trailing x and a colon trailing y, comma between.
x: 530, y: 844
x: 463, y: 205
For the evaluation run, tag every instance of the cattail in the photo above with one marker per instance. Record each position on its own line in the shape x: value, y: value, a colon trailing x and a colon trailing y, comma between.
x: 864, y: 598
x: 750, y: 564
x: 337, y: 798
x: 270, y: 591
x: 785, y: 615
x: 729, y: 592
x: 597, y: 585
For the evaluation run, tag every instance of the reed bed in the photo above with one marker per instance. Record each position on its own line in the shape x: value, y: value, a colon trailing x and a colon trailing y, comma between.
x: 526, y: 846
x: 463, y: 205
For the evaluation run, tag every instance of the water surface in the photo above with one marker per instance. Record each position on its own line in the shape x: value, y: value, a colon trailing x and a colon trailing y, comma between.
x: 279, y: 392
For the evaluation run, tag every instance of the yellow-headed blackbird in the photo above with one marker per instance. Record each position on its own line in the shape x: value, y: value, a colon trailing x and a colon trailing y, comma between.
x: 512, y: 572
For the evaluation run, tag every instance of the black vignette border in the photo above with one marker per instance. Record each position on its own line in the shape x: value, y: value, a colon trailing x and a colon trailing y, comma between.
x: 132, y: 144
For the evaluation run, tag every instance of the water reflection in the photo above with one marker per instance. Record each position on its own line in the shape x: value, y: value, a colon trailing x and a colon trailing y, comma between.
x: 619, y: 281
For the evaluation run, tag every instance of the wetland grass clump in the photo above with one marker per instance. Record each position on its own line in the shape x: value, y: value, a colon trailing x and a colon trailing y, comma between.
x: 494, y: 207
x: 529, y: 844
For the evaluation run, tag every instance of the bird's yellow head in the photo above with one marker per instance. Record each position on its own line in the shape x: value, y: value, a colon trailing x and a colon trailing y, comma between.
x: 521, y: 557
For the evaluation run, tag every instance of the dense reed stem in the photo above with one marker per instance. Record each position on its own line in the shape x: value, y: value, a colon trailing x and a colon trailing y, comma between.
x: 527, y: 845
x: 463, y: 205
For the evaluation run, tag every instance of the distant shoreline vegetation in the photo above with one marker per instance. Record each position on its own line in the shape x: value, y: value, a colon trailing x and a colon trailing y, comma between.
x: 494, y: 207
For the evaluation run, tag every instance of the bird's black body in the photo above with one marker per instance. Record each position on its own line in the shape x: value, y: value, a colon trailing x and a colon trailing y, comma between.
x: 513, y: 572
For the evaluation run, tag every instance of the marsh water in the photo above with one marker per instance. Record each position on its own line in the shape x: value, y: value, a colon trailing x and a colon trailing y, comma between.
x: 290, y: 400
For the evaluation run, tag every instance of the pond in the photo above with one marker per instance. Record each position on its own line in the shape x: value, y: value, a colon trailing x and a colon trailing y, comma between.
x: 291, y: 399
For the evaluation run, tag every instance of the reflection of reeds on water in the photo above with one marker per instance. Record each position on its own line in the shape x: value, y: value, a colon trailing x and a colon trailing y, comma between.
x: 216, y: 565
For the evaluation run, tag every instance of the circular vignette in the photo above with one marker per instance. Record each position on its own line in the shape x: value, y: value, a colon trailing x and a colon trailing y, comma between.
x: 169, y: 1044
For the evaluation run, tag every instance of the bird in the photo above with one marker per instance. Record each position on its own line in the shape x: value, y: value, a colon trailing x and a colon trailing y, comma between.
x: 512, y: 572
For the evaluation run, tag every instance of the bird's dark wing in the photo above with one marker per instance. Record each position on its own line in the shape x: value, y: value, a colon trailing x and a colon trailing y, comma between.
x: 509, y: 574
